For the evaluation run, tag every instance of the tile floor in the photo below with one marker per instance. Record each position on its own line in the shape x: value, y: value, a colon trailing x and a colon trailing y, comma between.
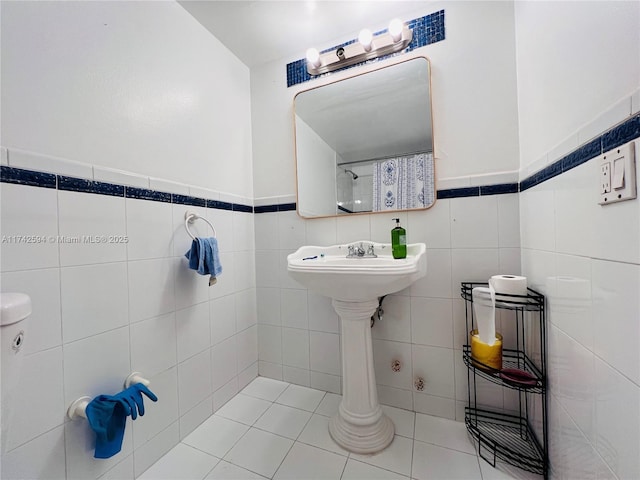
x: 277, y: 430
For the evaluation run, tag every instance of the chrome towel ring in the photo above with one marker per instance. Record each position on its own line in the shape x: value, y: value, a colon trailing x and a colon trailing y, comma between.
x: 189, y: 217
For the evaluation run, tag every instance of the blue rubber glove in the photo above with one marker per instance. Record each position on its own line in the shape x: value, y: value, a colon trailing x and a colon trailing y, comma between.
x: 137, y: 390
x: 107, y: 417
x: 132, y: 399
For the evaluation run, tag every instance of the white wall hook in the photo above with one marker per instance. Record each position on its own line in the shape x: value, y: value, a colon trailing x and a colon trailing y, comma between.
x: 136, y: 377
x: 78, y: 407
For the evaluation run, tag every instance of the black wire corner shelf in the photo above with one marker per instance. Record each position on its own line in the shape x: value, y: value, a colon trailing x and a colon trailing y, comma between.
x: 506, y: 437
x: 511, y: 359
x: 533, y: 301
x: 509, y: 436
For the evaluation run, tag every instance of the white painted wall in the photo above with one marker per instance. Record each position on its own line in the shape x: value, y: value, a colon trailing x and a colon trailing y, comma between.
x: 474, y: 98
x: 141, y: 87
x: 576, y: 60
x: 135, y: 86
x: 317, y: 172
x: 578, y: 75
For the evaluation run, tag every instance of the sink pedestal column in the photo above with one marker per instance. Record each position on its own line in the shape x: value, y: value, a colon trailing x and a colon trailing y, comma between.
x: 360, y: 426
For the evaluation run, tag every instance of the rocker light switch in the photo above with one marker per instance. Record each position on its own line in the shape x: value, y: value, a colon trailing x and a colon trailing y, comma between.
x: 617, y: 174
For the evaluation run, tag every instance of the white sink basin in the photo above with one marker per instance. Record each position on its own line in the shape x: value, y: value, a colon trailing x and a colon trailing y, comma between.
x: 355, y: 283
x: 327, y: 270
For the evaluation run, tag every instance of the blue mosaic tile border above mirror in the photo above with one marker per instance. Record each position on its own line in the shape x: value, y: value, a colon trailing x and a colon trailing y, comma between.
x: 426, y: 30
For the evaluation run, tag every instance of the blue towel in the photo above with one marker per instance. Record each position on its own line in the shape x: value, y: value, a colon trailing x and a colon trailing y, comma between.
x: 203, y: 257
x: 107, y: 415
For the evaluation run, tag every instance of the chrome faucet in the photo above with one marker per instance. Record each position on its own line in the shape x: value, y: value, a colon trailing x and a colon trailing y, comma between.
x: 370, y: 251
x: 358, y: 251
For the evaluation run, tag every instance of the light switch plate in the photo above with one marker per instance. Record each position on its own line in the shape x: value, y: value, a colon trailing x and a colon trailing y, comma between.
x: 617, y: 175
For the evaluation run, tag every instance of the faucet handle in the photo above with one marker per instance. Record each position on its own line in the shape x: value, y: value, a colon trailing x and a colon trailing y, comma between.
x: 370, y: 250
x: 352, y: 251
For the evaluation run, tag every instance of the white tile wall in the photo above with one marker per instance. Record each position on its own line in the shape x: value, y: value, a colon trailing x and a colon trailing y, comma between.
x: 467, y: 239
x: 585, y: 259
x: 78, y: 218
x: 193, y: 331
x: 474, y: 222
x: 101, y: 311
x: 38, y: 397
x: 149, y: 228
x: 222, y: 318
x: 43, y: 457
x: 194, y: 381
x: 153, y: 344
x: 37, y: 217
x: 93, y: 299
x: 213, y: 330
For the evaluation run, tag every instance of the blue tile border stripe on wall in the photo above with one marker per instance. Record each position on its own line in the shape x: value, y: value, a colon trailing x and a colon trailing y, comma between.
x: 426, y: 30
x: 612, y: 138
x: 33, y: 178
x: 28, y: 177
x: 73, y: 184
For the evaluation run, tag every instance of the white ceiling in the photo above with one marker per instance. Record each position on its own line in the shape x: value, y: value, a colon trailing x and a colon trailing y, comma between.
x: 259, y: 31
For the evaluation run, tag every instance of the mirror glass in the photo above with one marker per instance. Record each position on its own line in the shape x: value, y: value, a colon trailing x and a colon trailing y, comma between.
x: 365, y: 143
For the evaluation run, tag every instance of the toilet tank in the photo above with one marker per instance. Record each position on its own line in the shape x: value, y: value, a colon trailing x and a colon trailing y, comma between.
x: 15, y: 309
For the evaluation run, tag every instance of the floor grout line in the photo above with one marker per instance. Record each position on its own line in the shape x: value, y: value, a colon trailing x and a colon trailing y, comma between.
x: 346, y: 456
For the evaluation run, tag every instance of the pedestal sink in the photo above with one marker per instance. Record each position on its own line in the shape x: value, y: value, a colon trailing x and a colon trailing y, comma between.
x: 355, y: 283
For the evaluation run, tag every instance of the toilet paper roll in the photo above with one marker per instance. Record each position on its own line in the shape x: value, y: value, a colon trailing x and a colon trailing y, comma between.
x: 509, y: 284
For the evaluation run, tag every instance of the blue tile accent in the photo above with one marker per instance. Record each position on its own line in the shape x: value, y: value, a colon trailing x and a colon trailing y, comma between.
x: 219, y: 205
x: 543, y: 175
x: 426, y: 30
x: 499, y: 189
x: 238, y: 207
x: 146, y: 194
x: 265, y: 209
x: 621, y: 134
x: 188, y: 200
x: 549, y: 172
x: 297, y: 72
x: 73, y: 184
x: 612, y: 138
x: 527, y: 183
x: 31, y: 178
x: 582, y: 154
x: 459, y: 192
x: 286, y: 207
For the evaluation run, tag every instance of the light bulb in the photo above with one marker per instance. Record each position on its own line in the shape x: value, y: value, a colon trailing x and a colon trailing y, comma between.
x: 313, y: 57
x: 395, y: 29
x: 365, y: 38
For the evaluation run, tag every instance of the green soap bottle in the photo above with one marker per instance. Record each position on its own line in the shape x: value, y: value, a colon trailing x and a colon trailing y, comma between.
x: 398, y: 241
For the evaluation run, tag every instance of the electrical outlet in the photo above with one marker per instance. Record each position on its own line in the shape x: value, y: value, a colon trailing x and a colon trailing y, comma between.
x: 605, y: 177
x: 617, y: 174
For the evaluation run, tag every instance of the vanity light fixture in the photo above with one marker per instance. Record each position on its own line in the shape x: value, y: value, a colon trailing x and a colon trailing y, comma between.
x: 313, y: 57
x: 365, y: 38
x: 368, y: 46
